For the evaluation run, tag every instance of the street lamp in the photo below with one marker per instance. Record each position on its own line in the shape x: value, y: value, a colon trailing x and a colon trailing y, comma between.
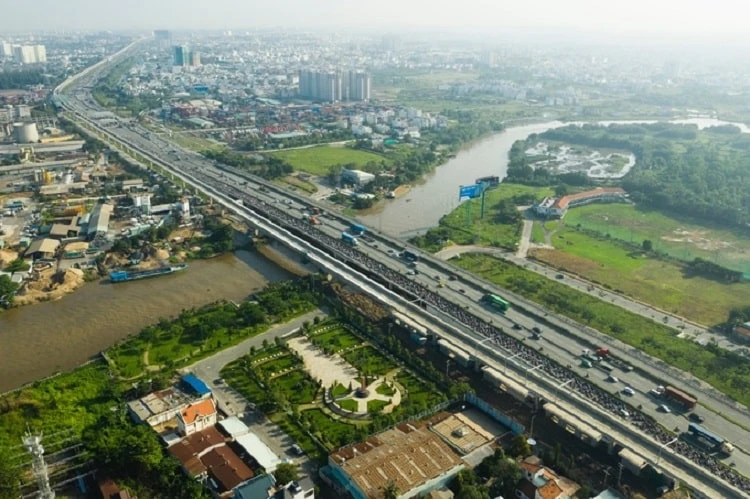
x: 661, y: 447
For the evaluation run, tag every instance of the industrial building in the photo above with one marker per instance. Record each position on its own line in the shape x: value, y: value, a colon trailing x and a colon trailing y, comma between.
x: 99, y: 222
x: 356, y: 177
x: 25, y: 133
x: 42, y: 248
x: 413, y: 457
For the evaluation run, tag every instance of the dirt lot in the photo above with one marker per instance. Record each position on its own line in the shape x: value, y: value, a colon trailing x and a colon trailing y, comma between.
x: 50, y: 286
x: 7, y: 256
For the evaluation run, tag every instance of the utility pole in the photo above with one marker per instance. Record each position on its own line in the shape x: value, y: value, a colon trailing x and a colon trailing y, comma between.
x: 33, y: 444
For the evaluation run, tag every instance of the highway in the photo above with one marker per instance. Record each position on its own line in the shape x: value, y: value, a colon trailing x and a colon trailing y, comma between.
x: 456, y: 303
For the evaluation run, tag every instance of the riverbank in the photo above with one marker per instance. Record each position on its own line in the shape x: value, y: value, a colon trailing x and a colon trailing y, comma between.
x: 59, y: 335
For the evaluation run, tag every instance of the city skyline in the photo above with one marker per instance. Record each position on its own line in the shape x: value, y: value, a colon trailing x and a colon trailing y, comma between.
x: 721, y: 19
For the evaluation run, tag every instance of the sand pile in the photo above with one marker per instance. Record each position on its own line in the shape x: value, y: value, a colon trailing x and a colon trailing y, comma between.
x: 161, y: 254
x: 7, y: 256
x: 50, y: 287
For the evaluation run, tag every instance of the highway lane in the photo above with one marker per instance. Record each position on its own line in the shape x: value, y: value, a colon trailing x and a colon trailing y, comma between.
x: 189, y: 162
x: 558, y: 347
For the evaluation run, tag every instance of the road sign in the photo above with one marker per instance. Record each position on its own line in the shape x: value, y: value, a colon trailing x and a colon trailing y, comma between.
x: 470, y: 191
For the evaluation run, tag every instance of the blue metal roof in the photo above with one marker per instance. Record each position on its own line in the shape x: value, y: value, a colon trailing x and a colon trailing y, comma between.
x: 257, y: 488
x: 196, y: 384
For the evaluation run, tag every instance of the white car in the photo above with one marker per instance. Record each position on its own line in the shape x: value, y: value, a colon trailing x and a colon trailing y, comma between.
x: 665, y: 409
x: 624, y: 413
x: 628, y: 391
x: 613, y: 379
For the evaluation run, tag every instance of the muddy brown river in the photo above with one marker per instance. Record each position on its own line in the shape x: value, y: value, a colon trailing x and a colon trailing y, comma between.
x: 38, y: 340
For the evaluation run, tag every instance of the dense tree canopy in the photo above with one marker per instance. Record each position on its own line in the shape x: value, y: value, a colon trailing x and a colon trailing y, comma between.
x: 679, y: 169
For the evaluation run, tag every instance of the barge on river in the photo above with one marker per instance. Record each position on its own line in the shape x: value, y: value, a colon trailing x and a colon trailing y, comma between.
x: 126, y: 275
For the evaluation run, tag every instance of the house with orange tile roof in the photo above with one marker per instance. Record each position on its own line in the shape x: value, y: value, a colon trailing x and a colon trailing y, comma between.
x: 196, y: 417
x: 541, y: 482
x: 558, y: 207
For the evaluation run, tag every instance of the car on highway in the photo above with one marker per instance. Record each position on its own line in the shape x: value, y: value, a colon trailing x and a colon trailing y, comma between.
x: 411, y: 272
x: 624, y: 413
x: 628, y: 391
x: 559, y: 276
x: 612, y: 379
x: 392, y: 252
x: 536, y: 330
x: 462, y: 291
x: 517, y: 326
x: 664, y: 408
x: 696, y: 417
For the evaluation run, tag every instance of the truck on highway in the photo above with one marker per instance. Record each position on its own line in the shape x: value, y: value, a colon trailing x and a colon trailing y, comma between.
x: 358, y: 229
x: 709, y: 440
x: 680, y: 397
x: 349, y: 239
x: 496, y: 302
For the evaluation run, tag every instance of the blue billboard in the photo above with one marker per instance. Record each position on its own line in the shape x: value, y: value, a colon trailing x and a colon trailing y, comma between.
x: 470, y: 191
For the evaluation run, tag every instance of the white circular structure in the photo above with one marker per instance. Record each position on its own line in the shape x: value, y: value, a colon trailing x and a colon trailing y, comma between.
x: 25, y: 133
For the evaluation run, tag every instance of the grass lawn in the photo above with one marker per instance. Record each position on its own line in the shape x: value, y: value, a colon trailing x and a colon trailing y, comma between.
x: 297, y: 386
x: 339, y: 390
x: 235, y: 376
x: 662, y: 283
x: 369, y: 360
x: 333, y: 433
x: 728, y: 372
x: 318, y: 160
x: 70, y: 401
x: 681, y: 239
x: 375, y: 406
x: 464, y: 225
x: 384, y: 389
x: 537, y: 233
x: 277, y: 365
x: 336, y: 339
x: 300, y: 437
x: 296, y: 183
x: 349, y: 405
x: 418, y: 392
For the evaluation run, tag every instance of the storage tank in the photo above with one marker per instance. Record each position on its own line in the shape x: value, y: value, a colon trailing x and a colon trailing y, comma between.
x: 25, y: 133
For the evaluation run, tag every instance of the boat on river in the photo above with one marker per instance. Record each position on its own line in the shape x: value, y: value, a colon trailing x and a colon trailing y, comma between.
x: 127, y: 275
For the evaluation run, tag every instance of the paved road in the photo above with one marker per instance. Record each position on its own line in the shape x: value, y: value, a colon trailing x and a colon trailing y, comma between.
x: 234, y: 404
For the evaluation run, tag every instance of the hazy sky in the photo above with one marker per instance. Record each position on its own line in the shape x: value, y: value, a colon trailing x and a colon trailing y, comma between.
x: 725, y: 18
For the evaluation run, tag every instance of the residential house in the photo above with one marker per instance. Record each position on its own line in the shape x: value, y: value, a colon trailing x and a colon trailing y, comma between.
x: 196, y: 417
x: 541, y: 482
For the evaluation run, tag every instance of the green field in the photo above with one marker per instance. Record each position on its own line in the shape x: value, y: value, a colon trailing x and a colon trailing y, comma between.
x: 376, y: 406
x: 728, y: 372
x: 319, y: 159
x: 369, y: 361
x: 333, y: 433
x: 277, y: 365
x: 680, y: 239
x: 384, y: 389
x: 464, y: 224
x: 336, y: 339
x: 349, y: 405
x: 660, y: 282
x: 71, y: 401
x: 298, y: 386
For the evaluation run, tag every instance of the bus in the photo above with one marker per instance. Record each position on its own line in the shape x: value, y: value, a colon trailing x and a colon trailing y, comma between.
x: 358, y: 229
x: 495, y: 301
x: 710, y: 440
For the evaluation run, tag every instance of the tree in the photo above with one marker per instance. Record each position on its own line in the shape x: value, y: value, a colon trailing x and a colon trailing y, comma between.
x: 647, y: 245
x: 17, y: 265
x: 520, y: 447
x: 285, y: 473
x: 561, y: 190
x: 473, y: 492
x: 8, y: 289
x: 391, y: 491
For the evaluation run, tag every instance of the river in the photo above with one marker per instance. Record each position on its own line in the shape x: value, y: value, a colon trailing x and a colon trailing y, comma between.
x: 38, y: 340
x: 424, y: 205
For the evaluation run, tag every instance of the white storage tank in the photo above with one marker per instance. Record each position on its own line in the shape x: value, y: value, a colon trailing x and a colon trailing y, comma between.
x: 25, y: 133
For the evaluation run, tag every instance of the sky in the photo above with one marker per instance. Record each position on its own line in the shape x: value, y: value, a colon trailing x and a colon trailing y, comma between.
x: 701, y: 18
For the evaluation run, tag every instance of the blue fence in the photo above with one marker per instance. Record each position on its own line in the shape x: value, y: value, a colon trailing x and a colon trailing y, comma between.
x: 516, y: 427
